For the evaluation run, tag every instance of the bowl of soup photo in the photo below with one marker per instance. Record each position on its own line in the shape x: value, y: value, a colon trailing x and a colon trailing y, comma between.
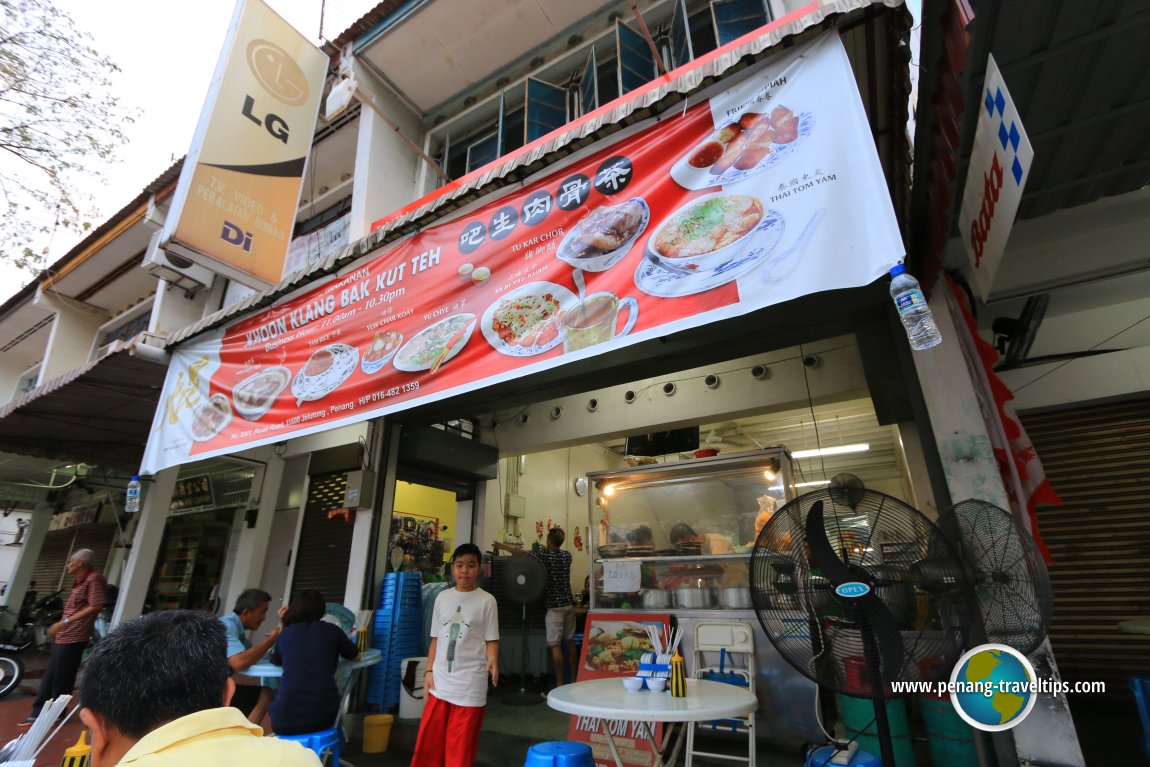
x: 705, y: 233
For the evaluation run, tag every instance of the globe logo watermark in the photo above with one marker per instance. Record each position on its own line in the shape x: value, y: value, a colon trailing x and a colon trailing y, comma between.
x: 993, y: 687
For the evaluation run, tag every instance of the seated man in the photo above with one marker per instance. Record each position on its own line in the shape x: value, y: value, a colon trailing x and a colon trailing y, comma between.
x: 155, y: 692
x: 249, y: 612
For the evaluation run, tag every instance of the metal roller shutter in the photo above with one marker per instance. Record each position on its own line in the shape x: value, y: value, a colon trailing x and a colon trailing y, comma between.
x: 1097, y: 459
x: 324, y: 544
x: 49, y: 572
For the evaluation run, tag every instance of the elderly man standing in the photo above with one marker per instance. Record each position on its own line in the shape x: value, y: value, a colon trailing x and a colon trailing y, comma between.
x: 156, y: 692
x: 72, y: 632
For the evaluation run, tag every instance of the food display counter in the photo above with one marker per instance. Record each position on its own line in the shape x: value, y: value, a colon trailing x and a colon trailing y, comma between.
x: 676, y: 539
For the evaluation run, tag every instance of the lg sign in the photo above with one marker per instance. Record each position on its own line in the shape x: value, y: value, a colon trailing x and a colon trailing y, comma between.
x: 280, y: 76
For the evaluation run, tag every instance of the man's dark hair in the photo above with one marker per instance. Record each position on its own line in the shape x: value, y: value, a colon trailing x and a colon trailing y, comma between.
x: 305, y: 607
x: 251, y: 599
x: 467, y: 548
x: 155, y: 669
x: 556, y: 536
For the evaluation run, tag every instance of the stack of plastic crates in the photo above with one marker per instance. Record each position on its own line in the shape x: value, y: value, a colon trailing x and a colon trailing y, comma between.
x: 398, y: 625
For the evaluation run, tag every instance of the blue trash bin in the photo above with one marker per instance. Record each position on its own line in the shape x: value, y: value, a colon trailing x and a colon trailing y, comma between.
x: 559, y: 753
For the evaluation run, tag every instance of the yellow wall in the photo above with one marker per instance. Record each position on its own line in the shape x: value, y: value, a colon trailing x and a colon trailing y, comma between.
x: 428, y: 502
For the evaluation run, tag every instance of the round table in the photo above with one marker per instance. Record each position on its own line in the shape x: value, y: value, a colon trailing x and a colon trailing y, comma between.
x: 607, y: 700
x: 265, y: 669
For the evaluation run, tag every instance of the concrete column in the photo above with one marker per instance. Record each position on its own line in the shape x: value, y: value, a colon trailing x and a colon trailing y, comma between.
x: 248, y: 566
x: 145, y: 545
x: 29, y: 552
x: 948, y: 377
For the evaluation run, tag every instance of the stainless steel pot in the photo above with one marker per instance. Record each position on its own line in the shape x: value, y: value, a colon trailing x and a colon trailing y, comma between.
x: 694, y: 598
x: 656, y: 599
x: 735, y: 597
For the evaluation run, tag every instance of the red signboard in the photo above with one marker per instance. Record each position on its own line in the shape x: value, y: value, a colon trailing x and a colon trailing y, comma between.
x: 762, y: 193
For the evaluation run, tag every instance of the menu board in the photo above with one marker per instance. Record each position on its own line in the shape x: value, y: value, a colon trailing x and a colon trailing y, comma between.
x: 766, y: 191
x: 612, y: 645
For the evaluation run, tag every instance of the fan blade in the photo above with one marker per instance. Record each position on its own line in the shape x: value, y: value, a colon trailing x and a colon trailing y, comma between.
x: 823, y: 555
x: 877, y: 618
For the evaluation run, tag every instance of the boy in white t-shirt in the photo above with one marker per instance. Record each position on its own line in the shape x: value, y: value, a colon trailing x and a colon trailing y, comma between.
x: 464, y: 651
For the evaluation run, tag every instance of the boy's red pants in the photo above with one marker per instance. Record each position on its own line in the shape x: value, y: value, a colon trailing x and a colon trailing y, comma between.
x: 448, y: 735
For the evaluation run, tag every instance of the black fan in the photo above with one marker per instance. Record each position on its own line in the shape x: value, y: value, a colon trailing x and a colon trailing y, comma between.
x: 1006, y: 572
x: 523, y: 579
x: 834, y: 586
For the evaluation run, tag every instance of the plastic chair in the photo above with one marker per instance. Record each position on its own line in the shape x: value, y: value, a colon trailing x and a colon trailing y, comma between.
x: 559, y: 753
x: 322, y: 742
x: 735, y: 641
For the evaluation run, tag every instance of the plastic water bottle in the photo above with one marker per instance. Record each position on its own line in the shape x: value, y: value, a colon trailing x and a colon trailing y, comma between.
x: 132, y: 498
x: 913, y: 310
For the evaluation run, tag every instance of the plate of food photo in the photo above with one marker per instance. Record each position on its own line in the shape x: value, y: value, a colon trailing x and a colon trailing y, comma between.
x: 605, y: 235
x: 254, y: 395
x: 323, y: 372
x: 379, y: 351
x: 436, y: 344
x: 743, y: 148
x: 210, y: 418
x: 528, y: 320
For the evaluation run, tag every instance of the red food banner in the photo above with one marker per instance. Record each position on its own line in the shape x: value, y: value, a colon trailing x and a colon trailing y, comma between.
x: 769, y: 190
x: 612, y: 646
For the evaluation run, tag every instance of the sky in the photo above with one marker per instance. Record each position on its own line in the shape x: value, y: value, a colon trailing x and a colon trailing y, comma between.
x: 167, y: 52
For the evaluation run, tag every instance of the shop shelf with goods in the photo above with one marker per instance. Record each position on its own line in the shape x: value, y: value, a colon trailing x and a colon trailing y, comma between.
x: 191, y: 557
x: 397, y: 635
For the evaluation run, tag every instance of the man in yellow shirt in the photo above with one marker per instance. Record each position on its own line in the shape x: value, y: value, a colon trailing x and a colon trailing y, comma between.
x: 156, y: 690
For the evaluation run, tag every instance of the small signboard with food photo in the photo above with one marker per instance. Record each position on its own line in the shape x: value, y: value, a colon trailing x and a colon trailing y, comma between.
x: 613, y: 646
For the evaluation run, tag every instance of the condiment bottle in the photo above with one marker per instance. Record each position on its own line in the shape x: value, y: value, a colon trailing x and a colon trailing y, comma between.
x: 678, y: 677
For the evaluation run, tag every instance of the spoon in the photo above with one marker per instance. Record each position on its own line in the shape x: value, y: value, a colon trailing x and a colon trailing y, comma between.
x: 783, y: 264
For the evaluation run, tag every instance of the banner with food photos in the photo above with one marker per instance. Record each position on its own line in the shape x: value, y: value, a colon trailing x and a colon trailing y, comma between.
x: 767, y: 190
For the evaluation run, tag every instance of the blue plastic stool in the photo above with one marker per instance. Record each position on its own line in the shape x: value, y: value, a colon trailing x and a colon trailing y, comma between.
x: 1141, y: 687
x: 320, y: 742
x: 559, y: 753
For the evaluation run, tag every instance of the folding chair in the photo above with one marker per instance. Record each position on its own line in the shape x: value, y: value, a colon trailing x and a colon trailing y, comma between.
x: 734, y: 644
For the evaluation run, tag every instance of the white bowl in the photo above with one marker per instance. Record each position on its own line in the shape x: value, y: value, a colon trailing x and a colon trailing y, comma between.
x: 633, y: 683
x: 656, y: 683
x: 711, y: 259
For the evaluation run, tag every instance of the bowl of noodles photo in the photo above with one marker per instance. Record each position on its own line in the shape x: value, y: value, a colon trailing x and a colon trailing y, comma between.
x: 705, y: 233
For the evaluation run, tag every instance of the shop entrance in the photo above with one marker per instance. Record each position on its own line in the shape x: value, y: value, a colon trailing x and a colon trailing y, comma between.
x: 194, y: 558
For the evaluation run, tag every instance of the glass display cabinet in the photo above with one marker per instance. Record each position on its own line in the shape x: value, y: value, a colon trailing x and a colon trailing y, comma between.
x: 678, y: 536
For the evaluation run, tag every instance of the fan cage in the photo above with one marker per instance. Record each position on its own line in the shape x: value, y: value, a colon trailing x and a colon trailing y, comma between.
x: 880, y: 539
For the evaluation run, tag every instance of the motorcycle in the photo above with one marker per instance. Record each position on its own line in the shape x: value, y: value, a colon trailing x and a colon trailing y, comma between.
x: 30, y: 629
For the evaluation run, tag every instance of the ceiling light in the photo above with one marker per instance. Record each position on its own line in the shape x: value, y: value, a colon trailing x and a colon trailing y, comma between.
x: 816, y: 483
x: 860, y: 447
x: 769, y: 475
x: 609, y: 490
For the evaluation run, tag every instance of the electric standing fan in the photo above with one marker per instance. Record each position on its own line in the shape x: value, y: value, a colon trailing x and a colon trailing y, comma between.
x: 523, y: 580
x: 1006, y: 572
x: 834, y: 586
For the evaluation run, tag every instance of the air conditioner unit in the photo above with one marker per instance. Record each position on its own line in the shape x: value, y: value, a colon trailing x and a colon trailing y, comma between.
x: 177, y: 270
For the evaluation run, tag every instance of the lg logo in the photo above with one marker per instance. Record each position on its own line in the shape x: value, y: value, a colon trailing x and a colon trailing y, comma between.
x: 282, y: 77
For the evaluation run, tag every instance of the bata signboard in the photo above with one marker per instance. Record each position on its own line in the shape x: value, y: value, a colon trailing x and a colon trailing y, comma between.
x: 769, y: 190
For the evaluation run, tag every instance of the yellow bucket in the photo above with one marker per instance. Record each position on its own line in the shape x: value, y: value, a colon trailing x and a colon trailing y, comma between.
x: 376, y: 732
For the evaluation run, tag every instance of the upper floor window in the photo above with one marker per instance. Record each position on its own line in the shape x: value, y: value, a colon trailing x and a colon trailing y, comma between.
x: 579, y: 82
x: 128, y: 325
x: 28, y: 381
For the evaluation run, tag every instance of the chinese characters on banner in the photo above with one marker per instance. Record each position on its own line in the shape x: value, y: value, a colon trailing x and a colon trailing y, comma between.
x: 769, y: 190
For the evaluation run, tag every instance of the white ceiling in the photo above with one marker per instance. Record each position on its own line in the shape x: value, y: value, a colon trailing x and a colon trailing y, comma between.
x: 840, y: 423
x: 424, y: 59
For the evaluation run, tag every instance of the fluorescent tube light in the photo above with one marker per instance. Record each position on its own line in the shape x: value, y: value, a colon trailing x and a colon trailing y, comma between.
x: 860, y: 447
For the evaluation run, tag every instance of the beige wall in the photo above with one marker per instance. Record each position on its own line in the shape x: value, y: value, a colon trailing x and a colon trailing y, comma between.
x: 548, y: 485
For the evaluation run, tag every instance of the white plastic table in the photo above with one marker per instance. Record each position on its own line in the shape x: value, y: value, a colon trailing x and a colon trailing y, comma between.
x: 607, y: 700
